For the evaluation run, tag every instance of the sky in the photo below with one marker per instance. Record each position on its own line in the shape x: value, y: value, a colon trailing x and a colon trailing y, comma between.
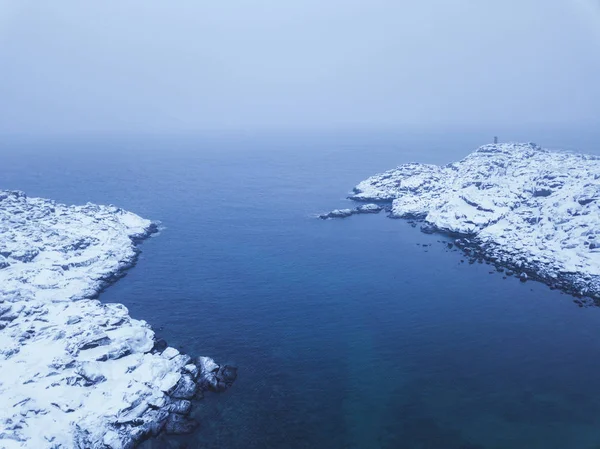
x: 159, y: 66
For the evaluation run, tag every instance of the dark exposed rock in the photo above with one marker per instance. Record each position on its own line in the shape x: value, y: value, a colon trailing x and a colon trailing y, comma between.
x: 155, y: 425
x: 542, y: 192
x: 214, y: 377
x: 160, y: 345
x: 227, y: 375
x: 25, y: 256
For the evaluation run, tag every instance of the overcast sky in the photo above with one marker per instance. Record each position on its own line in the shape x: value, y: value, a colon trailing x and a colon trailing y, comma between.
x: 177, y: 65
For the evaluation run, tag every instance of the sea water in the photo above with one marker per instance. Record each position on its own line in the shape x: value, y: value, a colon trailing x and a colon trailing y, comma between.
x: 354, y: 333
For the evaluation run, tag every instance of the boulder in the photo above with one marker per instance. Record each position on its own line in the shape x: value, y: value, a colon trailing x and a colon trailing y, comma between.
x: 185, y: 388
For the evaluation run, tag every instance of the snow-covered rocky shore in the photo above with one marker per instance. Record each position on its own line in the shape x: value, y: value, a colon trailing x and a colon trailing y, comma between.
x: 74, y: 372
x: 517, y: 205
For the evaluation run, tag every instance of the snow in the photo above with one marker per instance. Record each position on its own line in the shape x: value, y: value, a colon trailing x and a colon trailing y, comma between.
x: 76, y: 373
x: 521, y: 204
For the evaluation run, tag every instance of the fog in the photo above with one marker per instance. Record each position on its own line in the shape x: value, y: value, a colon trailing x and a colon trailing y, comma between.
x: 157, y: 66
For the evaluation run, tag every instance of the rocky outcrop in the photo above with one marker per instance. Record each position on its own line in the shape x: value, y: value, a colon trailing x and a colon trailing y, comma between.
x: 533, y: 210
x: 362, y: 209
x: 77, y: 373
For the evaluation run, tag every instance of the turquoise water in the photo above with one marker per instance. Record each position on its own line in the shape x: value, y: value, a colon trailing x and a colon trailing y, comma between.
x: 347, y: 333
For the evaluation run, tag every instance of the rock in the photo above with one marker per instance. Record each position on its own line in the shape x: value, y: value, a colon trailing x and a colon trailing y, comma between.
x: 92, y: 373
x: 178, y: 425
x: 93, y: 339
x: 160, y: 345
x: 427, y: 229
x: 115, y: 353
x: 523, y: 277
x: 26, y: 255
x: 192, y: 370
x: 168, y: 383
x: 206, y: 365
x: 214, y: 377
x: 181, y: 360
x: 369, y: 209
x: 185, y: 388
x: 227, y: 375
x: 337, y: 213
x: 156, y: 422
x: 133, y: 414
x: 169, y: 353
x: 182, y: 407
x: 158, y: 401
x: 343, y: 213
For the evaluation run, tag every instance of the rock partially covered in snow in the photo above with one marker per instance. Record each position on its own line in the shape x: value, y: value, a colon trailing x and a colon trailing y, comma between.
x: 77, y: 373
x: 214, y: 377
x: 523, y: 206
x: 368, y: 209
x: 337, y: 213
x: 343, y: 213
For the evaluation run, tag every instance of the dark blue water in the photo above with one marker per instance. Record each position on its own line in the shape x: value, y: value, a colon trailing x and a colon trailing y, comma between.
x: 348, y: 333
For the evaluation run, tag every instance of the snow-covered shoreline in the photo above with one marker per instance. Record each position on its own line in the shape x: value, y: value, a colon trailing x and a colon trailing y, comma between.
x: 517, y: 205
x: 77, y: 373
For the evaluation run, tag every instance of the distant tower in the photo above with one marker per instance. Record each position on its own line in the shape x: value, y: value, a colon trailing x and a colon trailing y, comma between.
x: 495, y: 139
